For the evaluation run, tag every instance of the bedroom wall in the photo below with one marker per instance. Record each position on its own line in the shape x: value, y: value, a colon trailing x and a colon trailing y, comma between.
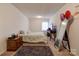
x: 35, y: 25
x: 74, y: 29
x: 11, y: 21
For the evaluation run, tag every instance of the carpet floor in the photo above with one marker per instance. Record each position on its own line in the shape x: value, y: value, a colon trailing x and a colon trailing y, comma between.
x: 34, y: 51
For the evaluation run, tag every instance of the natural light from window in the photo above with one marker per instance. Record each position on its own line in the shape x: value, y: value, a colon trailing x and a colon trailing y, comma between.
x: 45, y: 26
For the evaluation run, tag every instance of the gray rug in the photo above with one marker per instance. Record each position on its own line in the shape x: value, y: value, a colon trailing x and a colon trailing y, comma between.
x: 34, y: 51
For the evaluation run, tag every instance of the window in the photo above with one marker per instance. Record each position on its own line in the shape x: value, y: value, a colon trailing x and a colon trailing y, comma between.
x: 45, y: 26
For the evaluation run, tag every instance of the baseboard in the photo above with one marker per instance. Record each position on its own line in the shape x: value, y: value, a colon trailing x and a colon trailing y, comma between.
x: 2, y: 52
x: 74, y: 52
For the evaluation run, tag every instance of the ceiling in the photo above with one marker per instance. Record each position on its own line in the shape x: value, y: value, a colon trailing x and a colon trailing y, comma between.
x: 35, y: 9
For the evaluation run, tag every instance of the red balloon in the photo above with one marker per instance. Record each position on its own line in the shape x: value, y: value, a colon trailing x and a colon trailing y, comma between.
x: 67, y: 14
x: 62, y: 16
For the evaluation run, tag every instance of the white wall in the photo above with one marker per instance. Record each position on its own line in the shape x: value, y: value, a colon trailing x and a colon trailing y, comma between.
x: 11, y: 21
x: 35, y: 25
x: 74, y: 29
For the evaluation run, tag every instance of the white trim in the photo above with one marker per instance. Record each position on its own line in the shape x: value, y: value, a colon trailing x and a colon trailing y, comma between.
x: 74, y: 52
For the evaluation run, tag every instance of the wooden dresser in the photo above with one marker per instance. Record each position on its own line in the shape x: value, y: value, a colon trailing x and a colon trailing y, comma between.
x: 14, y: 44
